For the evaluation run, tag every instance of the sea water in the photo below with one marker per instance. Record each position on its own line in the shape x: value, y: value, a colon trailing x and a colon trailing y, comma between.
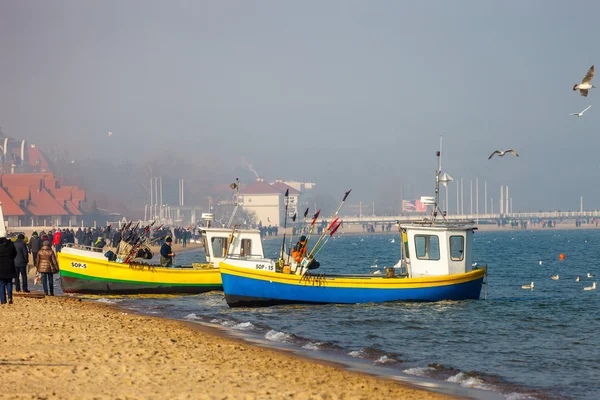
x: 521, y: 343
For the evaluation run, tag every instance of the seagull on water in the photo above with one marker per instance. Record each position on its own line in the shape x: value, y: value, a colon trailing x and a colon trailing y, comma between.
x: 581, y: 113
x: 585, y: 84
x: 554, y: 277
x: 577, y: 279
x: 590, y: 275
x: 527, y: 286
x: 593, y: 287
x: 502, y: 153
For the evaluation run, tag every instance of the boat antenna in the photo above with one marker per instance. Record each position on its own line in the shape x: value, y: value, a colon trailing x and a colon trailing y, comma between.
x: 235, y: 186
x: 437, y: 184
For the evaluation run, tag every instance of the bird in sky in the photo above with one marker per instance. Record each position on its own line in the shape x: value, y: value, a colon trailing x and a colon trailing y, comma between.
x: 581, y: 113
x: 109, y: 133
x: 502, y: 153
x: 585, y: 84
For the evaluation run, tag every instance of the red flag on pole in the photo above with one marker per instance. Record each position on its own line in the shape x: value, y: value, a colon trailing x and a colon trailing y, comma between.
x: 315, y: 217
x: 332, y: 223
x: 335, y: 229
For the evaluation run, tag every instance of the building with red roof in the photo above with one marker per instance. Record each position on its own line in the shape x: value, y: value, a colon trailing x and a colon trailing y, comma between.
x: 41, y: 199
x: 264, y: 202
x: 293, y: 196
x: 30, y: 194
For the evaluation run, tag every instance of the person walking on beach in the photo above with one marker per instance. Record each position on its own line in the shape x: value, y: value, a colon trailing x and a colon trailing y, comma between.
x: 7, y: 269
x: 21, y: 261
x: 47, y: 265
x: 166, y: 254
x: 35, y: 244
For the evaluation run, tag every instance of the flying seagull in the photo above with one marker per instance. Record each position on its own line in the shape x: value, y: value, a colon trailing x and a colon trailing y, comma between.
x: 585, y: 84
x: 109, y: 133
x: 581, y: 113
x: 502, y: 153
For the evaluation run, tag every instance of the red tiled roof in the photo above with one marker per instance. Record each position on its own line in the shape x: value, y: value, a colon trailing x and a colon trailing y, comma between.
x: 9, y: 207
x: 42, y: 203
x: 18, y: 193
x: 71, y: 208
x: 78, y: 195
x: 30, y: 180
x: 282, y: 187
x: 259, y: 187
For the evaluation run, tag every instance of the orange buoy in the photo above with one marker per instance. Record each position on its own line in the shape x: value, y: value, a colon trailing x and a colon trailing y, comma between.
x: 561, y: 256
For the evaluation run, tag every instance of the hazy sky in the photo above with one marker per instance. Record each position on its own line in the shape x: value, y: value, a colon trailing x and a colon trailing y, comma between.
x: 341, y: 93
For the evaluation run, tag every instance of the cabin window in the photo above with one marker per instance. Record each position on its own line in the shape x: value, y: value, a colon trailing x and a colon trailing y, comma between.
x: 246, y: 250
x: 427, y: 247
x: 219, y: 246
x: 457, y: 248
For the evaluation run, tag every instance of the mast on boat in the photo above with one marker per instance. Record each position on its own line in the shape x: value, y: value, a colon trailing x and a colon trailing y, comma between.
x: 236, y: 186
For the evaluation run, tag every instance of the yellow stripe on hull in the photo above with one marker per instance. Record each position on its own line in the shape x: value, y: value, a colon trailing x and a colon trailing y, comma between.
x: 341, y: 281
x: 97, y: 269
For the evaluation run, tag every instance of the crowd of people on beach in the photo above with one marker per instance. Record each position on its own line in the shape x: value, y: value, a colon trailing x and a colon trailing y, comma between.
x: 14, y: 259
x: 41, y: 248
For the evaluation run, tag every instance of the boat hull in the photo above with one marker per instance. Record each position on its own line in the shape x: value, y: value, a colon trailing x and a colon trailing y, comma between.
x: 250, y: 288
x: 92, y: 275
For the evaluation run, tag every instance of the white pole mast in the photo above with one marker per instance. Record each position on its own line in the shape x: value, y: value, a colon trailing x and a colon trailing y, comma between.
x: 485, y: 196
x: 462, y: 197
x: 477, y: 197
x: 457, y: 197
x: 471, y: 200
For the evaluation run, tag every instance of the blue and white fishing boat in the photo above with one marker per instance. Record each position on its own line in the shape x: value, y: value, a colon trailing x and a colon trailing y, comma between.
x: 435, y: 264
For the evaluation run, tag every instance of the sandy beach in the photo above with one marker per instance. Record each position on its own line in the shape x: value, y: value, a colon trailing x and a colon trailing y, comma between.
x: 64, y: 348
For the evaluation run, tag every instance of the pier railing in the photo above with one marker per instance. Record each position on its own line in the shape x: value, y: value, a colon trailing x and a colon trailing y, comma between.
x: 474, y: 217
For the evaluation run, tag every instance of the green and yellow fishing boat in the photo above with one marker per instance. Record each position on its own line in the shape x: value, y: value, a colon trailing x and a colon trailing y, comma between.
x: 85, y: 270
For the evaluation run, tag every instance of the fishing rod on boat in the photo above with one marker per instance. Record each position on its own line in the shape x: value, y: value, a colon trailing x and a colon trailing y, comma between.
x: 292, y: 235
x: 303, y: 229
x: 323, y: 234
x: 287, y: 199
x: 312, y: 226
x: 331, y: 225
x: 326, y: 239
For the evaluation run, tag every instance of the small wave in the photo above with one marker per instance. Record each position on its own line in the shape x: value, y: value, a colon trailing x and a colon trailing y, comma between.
x: 518, y: 396
x: 312, y: 346
x: 243, y: 326
x: 418, y: 371
x: 109, y: 301
x: 276, y: 336
x: 215, y: 321
x: 356, y: 354
x: 466, y: 380
x: 385, y: 360
x: 191, y: 316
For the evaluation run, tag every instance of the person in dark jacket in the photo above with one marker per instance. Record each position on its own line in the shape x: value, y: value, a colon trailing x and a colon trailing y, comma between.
x: 35, y: 244
x: 7, y: 269
x: 166, y: 254
x: 21, y: 261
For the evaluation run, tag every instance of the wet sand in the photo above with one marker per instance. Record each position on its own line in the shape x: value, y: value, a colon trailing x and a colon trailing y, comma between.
x: 63, y: 348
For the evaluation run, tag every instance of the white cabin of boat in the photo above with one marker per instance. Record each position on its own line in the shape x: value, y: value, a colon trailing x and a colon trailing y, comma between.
x: 437, y: 249
x: 220, y: 243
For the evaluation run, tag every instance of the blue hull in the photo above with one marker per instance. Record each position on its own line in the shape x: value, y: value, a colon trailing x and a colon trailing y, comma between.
x: 248, y: 292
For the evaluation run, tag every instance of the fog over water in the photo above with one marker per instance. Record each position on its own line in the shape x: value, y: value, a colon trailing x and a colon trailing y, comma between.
x: 346, y: 94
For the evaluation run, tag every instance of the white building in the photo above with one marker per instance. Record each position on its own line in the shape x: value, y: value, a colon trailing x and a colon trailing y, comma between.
x: 293, y: 196
x: 265, y: 201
